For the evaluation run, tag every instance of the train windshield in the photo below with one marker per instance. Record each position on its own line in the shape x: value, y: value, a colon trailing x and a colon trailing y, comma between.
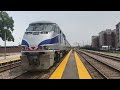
x: 40, y: 27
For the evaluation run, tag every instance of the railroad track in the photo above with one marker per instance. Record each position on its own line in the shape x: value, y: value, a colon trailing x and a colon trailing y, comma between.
x: 98, y: 68
x: 109, y: 61
x: 104, y: 55
x: 40, y: 74
x: 95, y: 74
x: 9, y: 65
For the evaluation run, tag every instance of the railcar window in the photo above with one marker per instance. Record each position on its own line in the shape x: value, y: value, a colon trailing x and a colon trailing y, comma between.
x: 28, y: 33
x: 49, y: 28
x: 30, y: 28
x: 60, y: 31
x: 40, y: 27
x: 41, y: 33
x: 36, y: 33
x: 44, y: 32
x: 63, y: 35
x: 56, y: 29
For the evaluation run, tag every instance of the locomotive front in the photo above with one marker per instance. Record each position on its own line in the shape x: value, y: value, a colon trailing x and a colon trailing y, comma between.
x: 36, y: 46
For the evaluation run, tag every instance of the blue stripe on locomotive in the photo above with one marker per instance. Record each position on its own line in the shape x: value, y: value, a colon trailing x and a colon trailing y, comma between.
x: 25, y: 43
x: 50, y: 41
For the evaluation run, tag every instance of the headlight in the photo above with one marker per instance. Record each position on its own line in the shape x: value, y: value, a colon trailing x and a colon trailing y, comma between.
x: 43, y: 47
x: 23, y: 47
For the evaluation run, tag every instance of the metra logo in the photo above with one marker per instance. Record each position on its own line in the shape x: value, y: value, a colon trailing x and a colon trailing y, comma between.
x: 33, y: 48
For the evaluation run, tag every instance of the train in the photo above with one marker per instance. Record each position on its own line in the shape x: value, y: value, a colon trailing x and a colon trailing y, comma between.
x: 43, y: 44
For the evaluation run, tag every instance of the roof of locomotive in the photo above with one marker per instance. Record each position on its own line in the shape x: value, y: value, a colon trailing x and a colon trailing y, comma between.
x: 42, y: 22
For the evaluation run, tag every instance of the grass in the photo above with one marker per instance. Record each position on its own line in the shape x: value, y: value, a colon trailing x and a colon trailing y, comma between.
x: 114, y: 54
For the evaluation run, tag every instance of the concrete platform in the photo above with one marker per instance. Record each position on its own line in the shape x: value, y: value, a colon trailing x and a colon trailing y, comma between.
x: 71, y: 71
x: 11, y: 57
x: 71, y: 68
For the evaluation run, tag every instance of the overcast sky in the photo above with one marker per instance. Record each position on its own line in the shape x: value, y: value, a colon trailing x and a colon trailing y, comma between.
x: 78, y: 26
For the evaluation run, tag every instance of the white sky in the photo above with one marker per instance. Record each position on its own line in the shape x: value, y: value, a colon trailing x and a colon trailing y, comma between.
x: 78, y: 26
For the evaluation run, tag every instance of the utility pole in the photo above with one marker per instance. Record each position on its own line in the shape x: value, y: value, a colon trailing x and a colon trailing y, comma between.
x: 5, y: 46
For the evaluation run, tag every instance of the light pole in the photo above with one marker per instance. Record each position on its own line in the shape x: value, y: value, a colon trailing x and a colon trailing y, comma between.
x: 5, y: 46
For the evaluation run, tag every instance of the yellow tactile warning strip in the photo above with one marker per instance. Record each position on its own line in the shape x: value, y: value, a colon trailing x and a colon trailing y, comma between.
x: 57, y: 74
x: 9, y: 60
x: 82, y: 71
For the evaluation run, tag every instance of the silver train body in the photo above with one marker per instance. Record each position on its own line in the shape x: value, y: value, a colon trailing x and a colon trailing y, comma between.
x: 43, y: 44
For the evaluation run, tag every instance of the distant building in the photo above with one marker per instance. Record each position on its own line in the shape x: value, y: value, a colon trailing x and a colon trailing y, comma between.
x: 102, y: 38
x: 113, y: 39
x: 107, y: 38
x: 118, y: 35
x: 95, y: 41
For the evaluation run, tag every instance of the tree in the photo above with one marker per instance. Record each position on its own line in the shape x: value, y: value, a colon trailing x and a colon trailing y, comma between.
x: 6, y: 26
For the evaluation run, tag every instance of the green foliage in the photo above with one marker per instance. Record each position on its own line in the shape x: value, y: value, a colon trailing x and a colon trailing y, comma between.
x: 6, y: 26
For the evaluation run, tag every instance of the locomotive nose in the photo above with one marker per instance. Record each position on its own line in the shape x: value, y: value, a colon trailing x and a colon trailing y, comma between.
x: 32, y: 47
